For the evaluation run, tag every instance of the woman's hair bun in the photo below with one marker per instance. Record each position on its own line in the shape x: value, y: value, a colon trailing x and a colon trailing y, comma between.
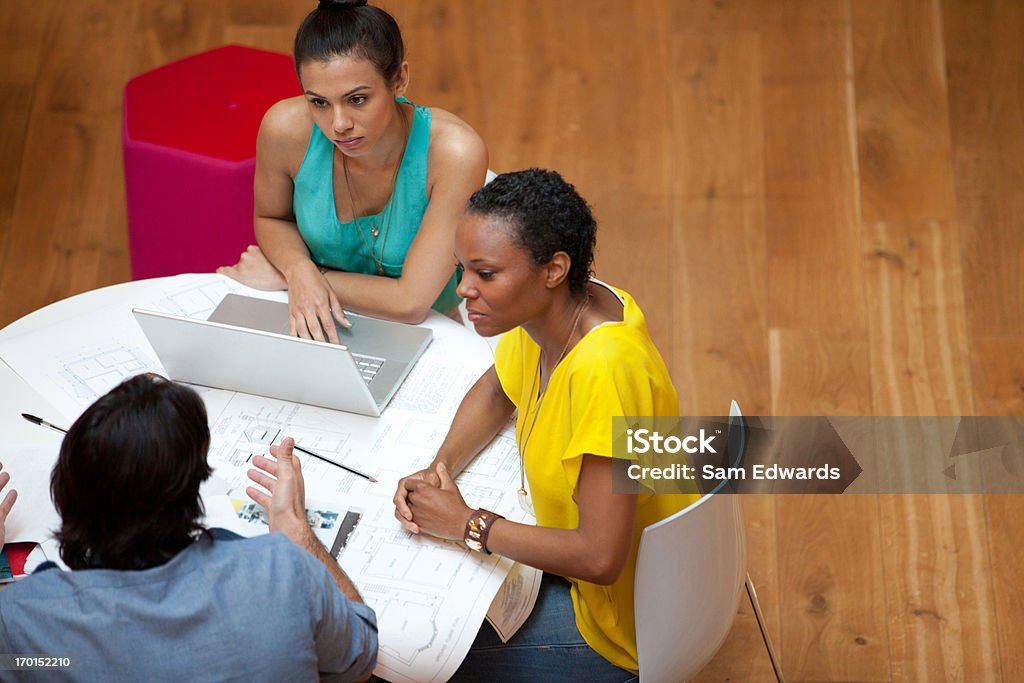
x: 343, y: 28
x: 326, y: 4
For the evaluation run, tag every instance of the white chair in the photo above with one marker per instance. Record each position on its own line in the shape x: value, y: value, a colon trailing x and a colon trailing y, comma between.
x: 691, y: 569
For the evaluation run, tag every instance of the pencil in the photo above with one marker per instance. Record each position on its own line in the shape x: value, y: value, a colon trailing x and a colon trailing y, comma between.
x: 43, y: 423
x: 338, y: 464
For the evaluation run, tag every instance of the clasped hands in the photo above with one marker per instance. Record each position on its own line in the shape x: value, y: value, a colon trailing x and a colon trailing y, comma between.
x: 429, y: 502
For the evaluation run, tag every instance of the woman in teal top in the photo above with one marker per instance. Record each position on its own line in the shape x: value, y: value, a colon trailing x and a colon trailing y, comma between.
x: 358, y: 191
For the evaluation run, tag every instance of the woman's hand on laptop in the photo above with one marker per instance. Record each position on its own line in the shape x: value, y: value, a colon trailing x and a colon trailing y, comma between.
x: 313, y: 306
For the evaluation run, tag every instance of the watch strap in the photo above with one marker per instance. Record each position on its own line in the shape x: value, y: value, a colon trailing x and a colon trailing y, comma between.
x: 478, y: 528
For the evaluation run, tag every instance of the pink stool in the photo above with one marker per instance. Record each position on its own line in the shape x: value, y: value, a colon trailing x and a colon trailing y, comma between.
x: 189, y: 140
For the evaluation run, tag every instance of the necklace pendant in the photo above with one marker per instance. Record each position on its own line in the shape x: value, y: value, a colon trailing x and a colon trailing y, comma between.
x: 374, y: 231
x: 380, y: 269
x: 525, y: 502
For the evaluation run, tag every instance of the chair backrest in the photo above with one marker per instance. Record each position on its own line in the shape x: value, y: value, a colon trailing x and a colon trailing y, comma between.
x: 690, y: 571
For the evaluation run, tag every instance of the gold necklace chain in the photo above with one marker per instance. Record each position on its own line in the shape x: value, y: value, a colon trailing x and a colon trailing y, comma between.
x: 540, y: 398
x: 388, y: 208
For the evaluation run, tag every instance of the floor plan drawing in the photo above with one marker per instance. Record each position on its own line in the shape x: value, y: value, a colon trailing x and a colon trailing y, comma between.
x: 431, y: 596
x: 81, y: 358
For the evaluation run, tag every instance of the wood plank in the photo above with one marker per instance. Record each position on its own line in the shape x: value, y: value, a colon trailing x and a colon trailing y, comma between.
x: 721, y: 338
x: 718, y: 240
x: 998, y: 371
x: 832, y: 591
x: 259, y: 13
x: 58, y: 245
x: 918, y: 329
x: 918, y: 319
x: 743, y: 656
x: 60, y: 228
x: 1006, y: 523
x: 718, y: 183
x: 986, y: 94
x: 902, y: 121
x: 176, y: 29
x: 939, y: 631
x: 833, y: 594
x: 15, y: 105
x: 84, y: 37
x: 811, y: 213
x: 814, y: 274
x: 818, y: 373
x: 989, y: 210
x: 983, y: 57
x: 632, y: 205
x: 805, y: 40
x: 23, y: 26
x: 278, y: 38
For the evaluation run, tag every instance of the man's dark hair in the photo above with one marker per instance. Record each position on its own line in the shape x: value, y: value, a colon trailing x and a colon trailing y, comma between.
x: 343, y: 28
x: 126, y: 483
x: 544, y: 215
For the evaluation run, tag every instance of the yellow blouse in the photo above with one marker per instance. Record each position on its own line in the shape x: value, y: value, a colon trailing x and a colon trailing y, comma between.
x: 615, y: 370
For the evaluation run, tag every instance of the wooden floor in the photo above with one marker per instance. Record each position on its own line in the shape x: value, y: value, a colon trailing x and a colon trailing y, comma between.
x: 818, y: 203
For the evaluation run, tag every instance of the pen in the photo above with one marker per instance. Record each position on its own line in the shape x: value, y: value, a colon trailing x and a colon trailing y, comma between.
x: 338, y: 464
x: 43, y: 423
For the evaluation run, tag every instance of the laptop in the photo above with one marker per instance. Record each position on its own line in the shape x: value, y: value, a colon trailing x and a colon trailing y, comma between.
x: 245, y: 346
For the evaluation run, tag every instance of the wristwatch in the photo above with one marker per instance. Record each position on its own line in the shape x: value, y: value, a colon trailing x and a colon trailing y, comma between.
x: 478, y: 527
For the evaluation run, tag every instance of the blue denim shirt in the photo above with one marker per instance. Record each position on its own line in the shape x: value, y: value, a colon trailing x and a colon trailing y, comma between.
x: 225, y: 608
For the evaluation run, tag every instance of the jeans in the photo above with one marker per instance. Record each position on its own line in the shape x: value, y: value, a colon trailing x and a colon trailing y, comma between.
x: 548, y: 647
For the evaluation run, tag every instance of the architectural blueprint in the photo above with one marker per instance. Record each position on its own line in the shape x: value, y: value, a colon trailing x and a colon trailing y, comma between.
x: 430, y: 596
x: 78, y: 360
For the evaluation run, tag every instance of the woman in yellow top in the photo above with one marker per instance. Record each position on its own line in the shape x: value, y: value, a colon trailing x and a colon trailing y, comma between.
x: 576, y: 354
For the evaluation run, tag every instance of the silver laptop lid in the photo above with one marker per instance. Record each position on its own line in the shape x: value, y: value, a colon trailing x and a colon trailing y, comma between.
x: 369, y: 336
x: 245, y: 347
x: 257, y: 362
x: 390, y: 348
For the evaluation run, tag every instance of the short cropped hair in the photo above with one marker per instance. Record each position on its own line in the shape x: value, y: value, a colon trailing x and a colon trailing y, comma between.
x: 545, y: 215
x: 126, y: 482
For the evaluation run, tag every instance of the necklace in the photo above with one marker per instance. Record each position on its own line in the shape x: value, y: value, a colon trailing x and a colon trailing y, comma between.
x: 524, y: 496
x: 378, y: 262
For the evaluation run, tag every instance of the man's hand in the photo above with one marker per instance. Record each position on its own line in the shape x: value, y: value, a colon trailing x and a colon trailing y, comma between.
x: 286, y: 502
x: 286, y: 507
x: 6, y: 504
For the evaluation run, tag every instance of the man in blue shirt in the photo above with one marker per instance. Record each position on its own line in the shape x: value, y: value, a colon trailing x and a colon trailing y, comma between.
x: 154, y: 596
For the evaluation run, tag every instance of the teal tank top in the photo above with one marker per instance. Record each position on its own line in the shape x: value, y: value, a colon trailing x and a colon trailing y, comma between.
x: 339, y: 246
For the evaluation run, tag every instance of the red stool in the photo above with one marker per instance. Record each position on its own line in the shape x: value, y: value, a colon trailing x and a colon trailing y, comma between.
x: 189, y: 140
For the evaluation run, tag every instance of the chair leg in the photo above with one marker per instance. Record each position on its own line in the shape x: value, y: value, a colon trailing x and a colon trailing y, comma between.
x: 776, y: 666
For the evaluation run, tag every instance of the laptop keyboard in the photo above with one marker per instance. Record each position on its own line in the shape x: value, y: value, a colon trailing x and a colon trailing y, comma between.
x: 368, y: 366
